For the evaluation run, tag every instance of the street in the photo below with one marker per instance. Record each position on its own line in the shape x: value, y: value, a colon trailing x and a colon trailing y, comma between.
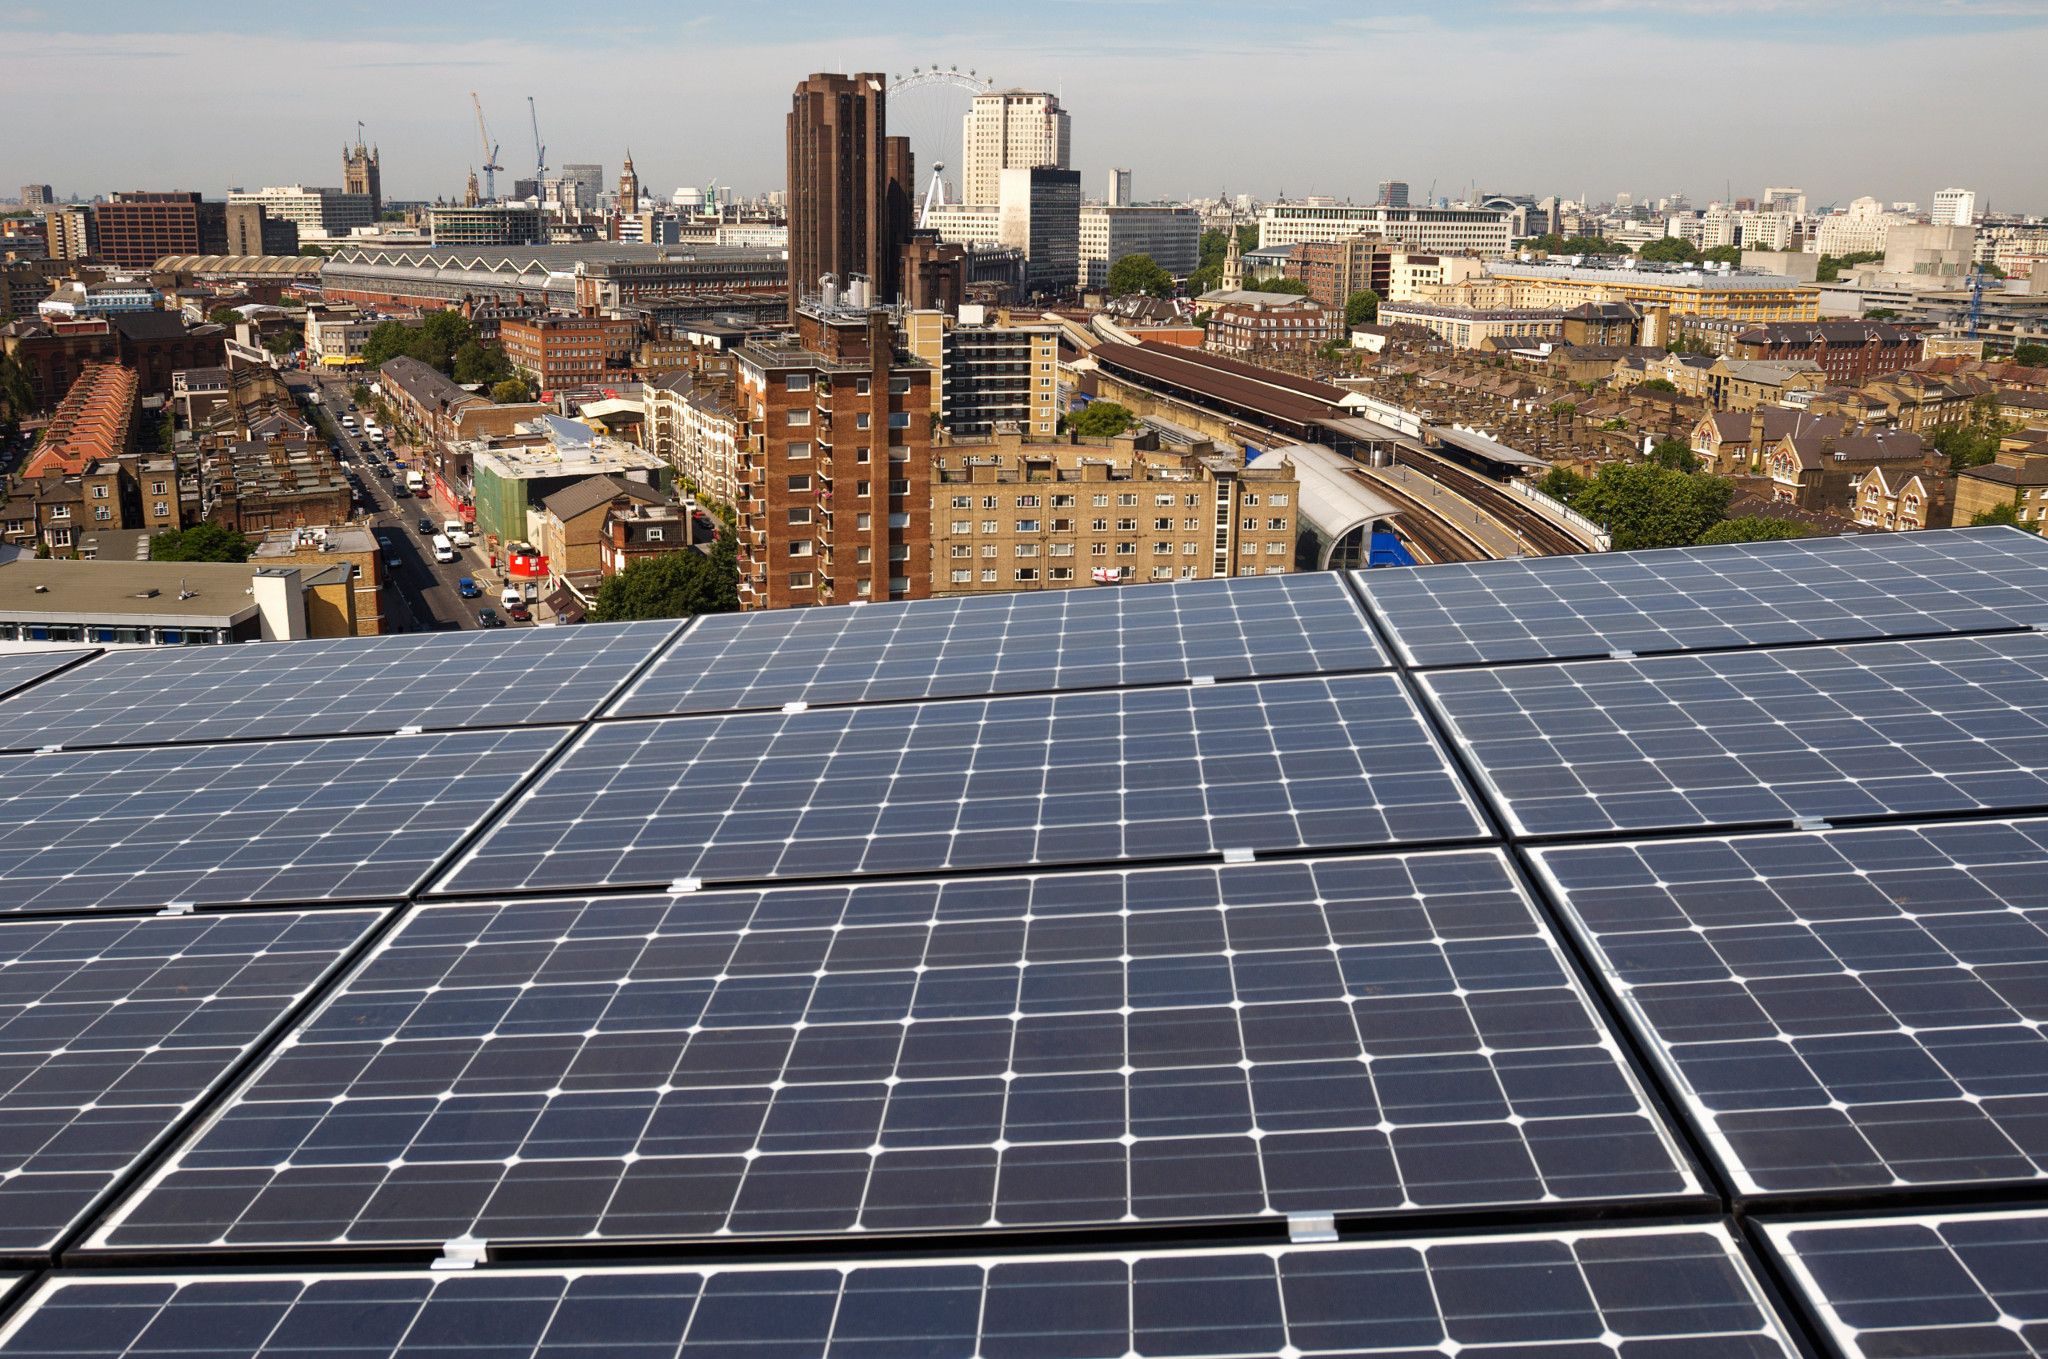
x: 420, y: 593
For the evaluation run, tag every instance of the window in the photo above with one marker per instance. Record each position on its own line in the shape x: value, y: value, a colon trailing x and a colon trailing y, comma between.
x: 862, y: 420
x: 1276, y: 525
x: 1162, y: 573
x: 899, y: 486
x: 1251, y: 499
x: 1249, y: 550
x: 1027, y: 502
x: 1126, y: 526
x: 989, y: 502
x: 1190, y: 524
x: 99, y: 493
x: 1027, y: 573
x: 863, y: 555
x: 159, y: 488
x: 799, y: 580
x: 963, y: 575
x: 1099, y: 525
x: 990, y: 550
x: 991, y: 526
x: 798, y: 451
x: 799, y: 415
x: 1127, y: 498
x: 1062, y: 573
x: 961, y: 502
x: 653, y: 535
x: 963, y: 526
x: 1098, y: 549
x: 1027, y: 549
x: 861, y: 386
x: 1027, y: 526
x: 800, y: 547
x: 797, y: 382
x: 1163, y: 500
x: 961, y: 550
x: 1276, y: 549
x: 863, y: 521
x: 863, y: 489
x: 1250, y: 524
x: 1194, y: 502
x: 990, y: 575
x: 1126, y: 549
x: 899, y: 419
x: 800, y: 515
x: 1100, y: 501
x: 899, y: 386
x: 1278, y: 498
x: 1190, y: 549
x: 163, y: 511
x: 1163, y: 524
x: 799, y: 481
x: 1061, y: 550
x: 101, y: 512
x: 1063, y: 502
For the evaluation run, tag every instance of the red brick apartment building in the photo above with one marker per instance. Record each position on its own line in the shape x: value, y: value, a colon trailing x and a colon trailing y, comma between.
x: 834, y: 463
x: 95, y: 420
x: 137, y: 229
x: 567, y: 351
x: 1849, y: 353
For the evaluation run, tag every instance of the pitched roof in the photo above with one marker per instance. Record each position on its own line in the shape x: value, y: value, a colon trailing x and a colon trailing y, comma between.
x: 581, y: 498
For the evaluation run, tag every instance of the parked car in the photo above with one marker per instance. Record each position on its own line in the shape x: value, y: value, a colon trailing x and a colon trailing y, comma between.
x: 394, y: 563
x: 519, y: 613
x: 468, y: 588
x: 426, y: 526
x: 487, y: 617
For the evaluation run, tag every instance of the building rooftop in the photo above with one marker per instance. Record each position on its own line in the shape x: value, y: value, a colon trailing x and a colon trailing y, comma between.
x: 1622, y: 271
x: 41, y: 588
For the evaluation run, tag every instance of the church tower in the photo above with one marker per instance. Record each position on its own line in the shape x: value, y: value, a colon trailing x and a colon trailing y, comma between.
x: 1233, y: 264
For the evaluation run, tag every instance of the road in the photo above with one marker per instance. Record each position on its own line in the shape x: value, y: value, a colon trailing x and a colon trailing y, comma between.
x: 420, y: 595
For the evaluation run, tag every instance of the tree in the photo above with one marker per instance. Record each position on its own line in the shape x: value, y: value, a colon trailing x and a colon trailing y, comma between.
x: 1247, y: 238
x: 481, y: 364
x: 1139, y: 274
x: 1974, y: 442
x: 1563, y: 408
x: 673, y: 585
x: 511, y: 390
x: 1659, y: 385
x: 312, y: 251
x: 1563, y: 484
x: 1670, y: 250
x: 1753, y: 529
x: 1362, y: 308
x: 1673, y: 454
x: 2006, y: 513
x: 2031, y: 355
x: 1831, y: 266
x: 1644, y: 505
x: 1550, y: 243
x: 1101, y: 420
x: 1880, y: 314
x: 283, y: 341
x: 224, y: 316
x: 17, y: 393
x: 200, y: 543
x: 1722, y: 254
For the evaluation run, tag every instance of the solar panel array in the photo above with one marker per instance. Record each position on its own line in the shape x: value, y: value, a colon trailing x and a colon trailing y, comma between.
x: 1136, y: 971
x: 1697, y: 598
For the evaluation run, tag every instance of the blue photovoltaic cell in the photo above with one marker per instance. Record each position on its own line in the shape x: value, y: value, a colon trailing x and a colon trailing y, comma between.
x: 111, y: 1029
x: 1960, y: 1286
x: 337, y: 686
x: 1379, y: 1034
x: 1007, y: 783
x: 1849, y: 1009
x: 1570, y: 1295
x: 20, y: 669
x: 1691, y: 598
x: 1042, y: 641
x: 361, y: 818
x: 1879, y: 729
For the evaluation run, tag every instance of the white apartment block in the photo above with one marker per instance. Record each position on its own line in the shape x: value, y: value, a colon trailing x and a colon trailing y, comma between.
x: 1954, y: 207
x: 1172, y: 236
x: 316, y: 212
x: 1861, y: 228
x: 1010, y: 130
x: 1451, y: 231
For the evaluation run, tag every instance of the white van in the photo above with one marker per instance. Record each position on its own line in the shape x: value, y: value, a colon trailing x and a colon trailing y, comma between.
x: 510, y: 595
x: 348, y: 422
x: 457, y: 532
x: 444, y: 551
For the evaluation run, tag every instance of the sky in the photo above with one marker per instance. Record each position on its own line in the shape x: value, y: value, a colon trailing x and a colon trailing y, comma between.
x: 1892, y: 98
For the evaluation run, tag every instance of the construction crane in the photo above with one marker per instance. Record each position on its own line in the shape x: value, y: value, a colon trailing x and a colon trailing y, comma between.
x: 490, y: 165
x: 540, y: 153
x: 1978, y: 278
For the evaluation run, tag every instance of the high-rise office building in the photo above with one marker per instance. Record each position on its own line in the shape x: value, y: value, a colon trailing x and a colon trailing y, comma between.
x: 1038, y: 211
x: 1119, y: 188
x: 314, y: 211
x: 36, y: 197
x: 1954, y: 207
x: 138, y: 228
x: 849, y: 186
x: 581, y: 184
x: 1393, y: 193
x: 1010, y: 130
x: 360, y: 175
x: 252, y: 231
x: 70, y: 231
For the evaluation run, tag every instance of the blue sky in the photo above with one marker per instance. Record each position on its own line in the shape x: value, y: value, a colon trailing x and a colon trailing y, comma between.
x: 1895, y: 98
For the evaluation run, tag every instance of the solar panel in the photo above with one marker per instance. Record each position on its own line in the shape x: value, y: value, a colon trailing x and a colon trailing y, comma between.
x: 1358, y: 1035
x: 1963, y: 1284
x: 361, y: 818
x: 19, y: 669
x: 1646, y: 1291
x: 1850, y: 1009
x: 112, y: 1029
x: 159, y: 695
x: 1685, y: 599
x: 1878, y: 729
x: 1007, y: 783
x: 1015, y: 643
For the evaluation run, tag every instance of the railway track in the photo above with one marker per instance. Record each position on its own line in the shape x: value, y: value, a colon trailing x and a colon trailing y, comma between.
x: 1543, y: 537
x: 1428, y: 534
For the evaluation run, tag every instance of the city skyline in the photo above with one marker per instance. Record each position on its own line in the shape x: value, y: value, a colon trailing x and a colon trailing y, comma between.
x: 1406, y: 91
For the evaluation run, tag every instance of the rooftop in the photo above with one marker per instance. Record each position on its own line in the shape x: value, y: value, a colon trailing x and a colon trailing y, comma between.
x: 107, y: 588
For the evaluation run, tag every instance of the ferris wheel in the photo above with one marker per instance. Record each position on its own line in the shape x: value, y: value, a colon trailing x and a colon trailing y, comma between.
x: 928, y: 104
